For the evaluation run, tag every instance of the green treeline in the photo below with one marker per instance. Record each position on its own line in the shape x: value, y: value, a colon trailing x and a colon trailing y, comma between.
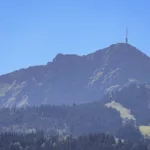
x: 37, y: 141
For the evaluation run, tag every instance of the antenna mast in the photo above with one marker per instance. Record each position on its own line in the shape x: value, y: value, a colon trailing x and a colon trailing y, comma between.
x: 126, y: 35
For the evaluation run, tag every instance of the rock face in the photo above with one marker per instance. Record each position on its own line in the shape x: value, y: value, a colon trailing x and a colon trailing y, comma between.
x: 76, y: 79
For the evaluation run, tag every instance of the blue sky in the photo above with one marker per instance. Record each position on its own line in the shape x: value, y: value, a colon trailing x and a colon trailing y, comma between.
x: 32, y: 32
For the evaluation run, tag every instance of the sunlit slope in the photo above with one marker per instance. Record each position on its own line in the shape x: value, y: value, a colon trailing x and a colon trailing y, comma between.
x: 145, y: 130
x: 124, y: 112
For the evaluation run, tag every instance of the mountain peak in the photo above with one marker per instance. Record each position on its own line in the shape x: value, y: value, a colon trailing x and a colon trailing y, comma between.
x: 63, y: 56
x: 121, y: 46
x: 70, y: 78
x: 116, y: 49
x: 125, y: 50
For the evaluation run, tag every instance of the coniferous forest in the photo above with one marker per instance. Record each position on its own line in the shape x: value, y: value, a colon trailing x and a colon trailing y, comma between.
x: 67, y: 128
x: 98, y: 141
x: 76, y: 119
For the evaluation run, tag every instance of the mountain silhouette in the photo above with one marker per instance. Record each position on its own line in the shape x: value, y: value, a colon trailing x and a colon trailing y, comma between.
x: 76, y: 79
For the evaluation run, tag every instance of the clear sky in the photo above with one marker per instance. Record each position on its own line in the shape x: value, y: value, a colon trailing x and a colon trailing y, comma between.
x: 32, y: 32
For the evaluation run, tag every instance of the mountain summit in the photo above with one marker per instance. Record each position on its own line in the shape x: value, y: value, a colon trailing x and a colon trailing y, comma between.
x: 77, y: 79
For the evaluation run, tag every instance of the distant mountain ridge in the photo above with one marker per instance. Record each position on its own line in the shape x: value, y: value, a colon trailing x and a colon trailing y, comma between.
x: 76, y: 79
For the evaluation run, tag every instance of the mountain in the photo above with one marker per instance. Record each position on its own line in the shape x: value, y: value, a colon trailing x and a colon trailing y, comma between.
x: 76, y: 79
x: 118, y: 112
x: 76, y: 120
x: 132, y: 102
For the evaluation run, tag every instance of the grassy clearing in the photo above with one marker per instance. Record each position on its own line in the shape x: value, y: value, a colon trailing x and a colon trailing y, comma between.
x: 124, y: 112
x: 145, y: 130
